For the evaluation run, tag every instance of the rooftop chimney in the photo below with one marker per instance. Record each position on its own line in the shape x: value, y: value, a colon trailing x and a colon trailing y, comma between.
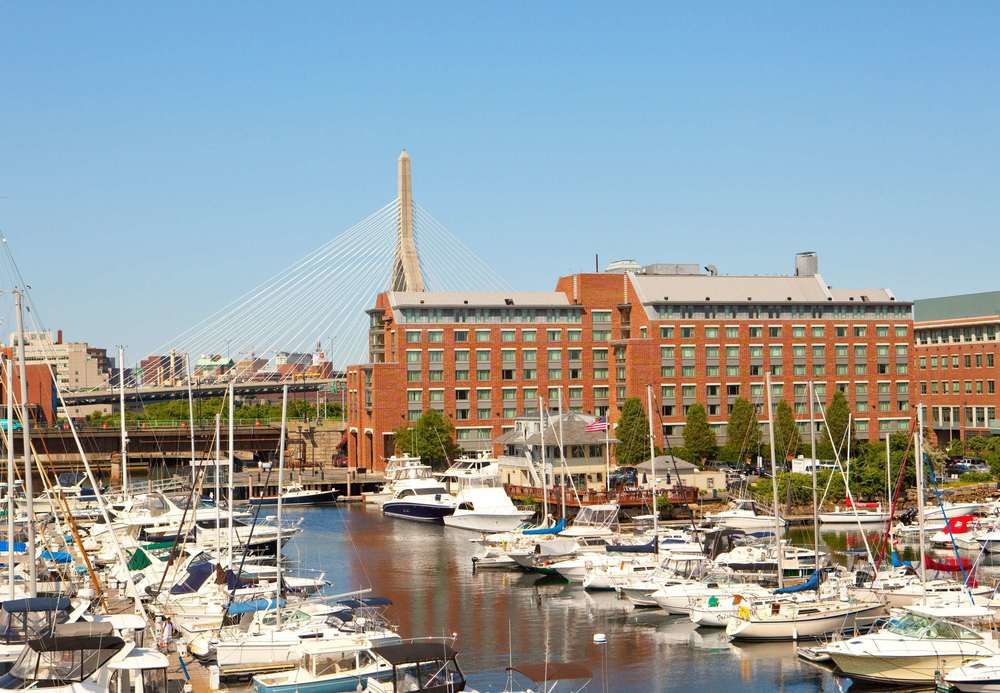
x: 806, y: 264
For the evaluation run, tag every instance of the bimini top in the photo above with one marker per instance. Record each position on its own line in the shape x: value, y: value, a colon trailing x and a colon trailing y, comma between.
x: 76, y: 642
x: 554, y: 671
x: 407, y: 653
x: 19, y: 606
x: 253, y: 605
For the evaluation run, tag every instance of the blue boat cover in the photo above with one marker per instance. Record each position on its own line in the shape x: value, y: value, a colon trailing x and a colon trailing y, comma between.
x: 896, y: 563
x: 19, y: 546
x: 649, y: 547
x: 810, y: 584
x: 196, y: 576
x: 555, y: 529
x: 253, y: 605
x: 57, y: 556
x: 20, y: 606
x: 761, y: 535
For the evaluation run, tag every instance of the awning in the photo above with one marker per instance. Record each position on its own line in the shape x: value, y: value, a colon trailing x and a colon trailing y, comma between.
x: 16, y: 606
x: 415, y: 652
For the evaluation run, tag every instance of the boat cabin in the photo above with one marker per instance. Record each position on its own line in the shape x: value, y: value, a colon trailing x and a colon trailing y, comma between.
x: 24, y: 619
x: 65, y: 658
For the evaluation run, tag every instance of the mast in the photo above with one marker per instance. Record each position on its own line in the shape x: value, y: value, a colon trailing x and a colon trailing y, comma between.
x: 218, y: 498
x: 919, y: 447
x: 187, y: 360
x: 10, y: 476
x: 26, y: 437
x: 229, y: 481
x: 121, y: 410
x: 888, y: 472
x: 281, y: 490
x: 562, y: 456
x: 545, y: 472
x: 774, y: 484
x: 812, y: 454
x: 850, y: 416
x: 652, y: 462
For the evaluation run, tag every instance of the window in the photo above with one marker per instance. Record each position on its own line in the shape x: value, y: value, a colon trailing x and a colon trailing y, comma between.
x: 553, y: 335
x: 860, y: 352
x: 435, y: 356
x: 413, y: 376
x: 840, y: 330
x: 881, y: 330
x: 601, y: 392
x: 483, y: 413
x: 482, y: 335
x: 667, y: 371
x: 555, y: 374
x: 687, y: 352
x: 414, y: 396
x: 840, y: 351
x: 798, y: 331
x: 798, y: 351
x: 688, y: 392
x: 413, y: 356
x: 461, y: 335
x: 818, y: 331
x: 508, y: 335
x: 437, y: 396
x: 711, y: 333
x: 575, y: 354
x: 732, y: 353
x: 756, y: 352
x: 902, y: 352
x: 600, y: 374
x: 733, y: 371
x: 860, y: 330
x: 732, y: 332
x: 483, y: 394
x: 687, y: 332
x: 554, y: 356
x: 775, y: 353
x: 774, y: 331
x: 666, y: 332
x: 601, y: 335
x: 435, y: 336
x: 600, y: 317
x: 819, y: 352
x: 482, y: 374
x: 756, y: 332
x: 712, y: 353
x: 529, y: 355
x: 483, y: 356
x: 819, y: 369
x: 462, y: 374
x: 882, y: 351
x: 574, y: 335
x: 529, y: 374
x: 900, y: 330
x: 413, y: 336
x: 687, y: 371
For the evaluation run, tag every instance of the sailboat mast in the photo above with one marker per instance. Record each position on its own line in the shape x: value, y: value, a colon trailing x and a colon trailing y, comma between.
x: 187, y: 360
x: 812, y: 454
x: 10, y: 476
x: 774, y: 484
x: 218, y: 498
x: 26, y: 437
x: 919, y: 447
x: 121, y: 416
x: 888, y: 472
x: 562, y: 456
x: 232, y: 411
x: 545, y: 472
x: 281, y: 491
x: 652, y: 463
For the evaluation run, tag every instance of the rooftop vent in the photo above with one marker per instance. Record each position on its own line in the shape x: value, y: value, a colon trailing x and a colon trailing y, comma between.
x: 806, y: 264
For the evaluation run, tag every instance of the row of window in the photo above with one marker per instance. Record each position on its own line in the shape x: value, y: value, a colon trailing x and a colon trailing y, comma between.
x: 776, y: 352
x: 956, y: 335
x: 506, y: 314
x: 797, y: 370
x: 775, y: 331
x: 956, y: 361
x: 955, y: 387
x: 598, y: 333
x: 976, y: 417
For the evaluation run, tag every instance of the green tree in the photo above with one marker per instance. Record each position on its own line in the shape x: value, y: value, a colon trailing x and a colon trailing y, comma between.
x: 786, y: 433
x: 432, y: 439
x: 698, y: 436
x: 837, y: 419
x: 742, y: 433
x: 632, y: 433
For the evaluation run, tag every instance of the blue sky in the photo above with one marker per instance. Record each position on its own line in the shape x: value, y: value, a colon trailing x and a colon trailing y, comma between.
x: 158, y: 160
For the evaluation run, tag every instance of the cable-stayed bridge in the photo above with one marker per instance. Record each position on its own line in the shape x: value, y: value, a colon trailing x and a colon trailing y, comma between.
x: 304, y: 325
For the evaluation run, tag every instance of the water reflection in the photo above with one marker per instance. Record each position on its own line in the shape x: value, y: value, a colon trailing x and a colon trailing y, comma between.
x: 427, y: 571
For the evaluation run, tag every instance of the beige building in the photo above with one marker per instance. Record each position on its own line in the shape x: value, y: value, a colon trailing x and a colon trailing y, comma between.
x: 77, y: 365
x: 672, y: 471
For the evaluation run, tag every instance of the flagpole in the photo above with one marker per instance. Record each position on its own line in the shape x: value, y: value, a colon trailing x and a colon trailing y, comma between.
x: 607, y: 454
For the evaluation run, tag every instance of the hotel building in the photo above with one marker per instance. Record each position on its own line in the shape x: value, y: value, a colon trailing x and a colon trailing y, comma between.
x: 957, y: 363
x: 486, y: 359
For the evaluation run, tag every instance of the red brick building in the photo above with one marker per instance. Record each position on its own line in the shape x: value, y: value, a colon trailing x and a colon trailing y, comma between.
x: 41, y: 392
x: 957, y: 363
x: 485, y: 359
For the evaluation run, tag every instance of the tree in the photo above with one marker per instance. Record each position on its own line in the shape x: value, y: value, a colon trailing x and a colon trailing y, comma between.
x: 786, y: 433
x: 698, y: 436
x: 432, y: 439
x: 742, y: 433
x: 632, y: 433
x: 837, y: 419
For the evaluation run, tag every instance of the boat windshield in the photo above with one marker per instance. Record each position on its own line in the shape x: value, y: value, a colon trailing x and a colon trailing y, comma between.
x: 916, y: 626
x: 44, y: 665
x: 429, y: 491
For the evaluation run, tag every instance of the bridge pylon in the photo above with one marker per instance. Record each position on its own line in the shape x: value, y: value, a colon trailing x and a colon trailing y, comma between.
x: 406, y: 274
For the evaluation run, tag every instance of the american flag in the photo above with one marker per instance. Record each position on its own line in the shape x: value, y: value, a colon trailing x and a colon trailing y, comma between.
x: 598, y: 424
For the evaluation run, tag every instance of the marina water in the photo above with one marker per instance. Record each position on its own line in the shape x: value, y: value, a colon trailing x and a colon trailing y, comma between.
x: 427, y: 571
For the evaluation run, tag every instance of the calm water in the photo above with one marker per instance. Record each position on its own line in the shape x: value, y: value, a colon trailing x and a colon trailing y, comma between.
x: 427, y: 571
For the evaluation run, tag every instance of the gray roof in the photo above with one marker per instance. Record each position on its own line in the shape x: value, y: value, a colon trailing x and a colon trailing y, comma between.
x: 748, y: 289
x: 667, y: 464
x: 982, y: 304
x: 455, y: 299
x: 574, y: 433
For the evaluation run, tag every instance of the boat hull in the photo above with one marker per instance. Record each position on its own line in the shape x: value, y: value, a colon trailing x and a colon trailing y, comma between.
x: 900, y: 669
x: 311, y: 499
x: 483, y: 522
x: 417, y: 512
x: 801, y: 626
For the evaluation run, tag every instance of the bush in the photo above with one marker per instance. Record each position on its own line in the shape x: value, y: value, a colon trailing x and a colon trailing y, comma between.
x: 976, y: 477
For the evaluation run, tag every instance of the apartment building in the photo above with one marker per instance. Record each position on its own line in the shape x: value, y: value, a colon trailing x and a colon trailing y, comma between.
x: 76, y: 365
x: 957, y: 362
x: 486, y: 359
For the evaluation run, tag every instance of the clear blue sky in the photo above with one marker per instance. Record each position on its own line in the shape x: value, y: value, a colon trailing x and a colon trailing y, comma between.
x: 156, y: 160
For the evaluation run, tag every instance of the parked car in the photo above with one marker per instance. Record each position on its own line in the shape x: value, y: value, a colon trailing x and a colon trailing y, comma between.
x: 962, y: 465
x: 624, y: 476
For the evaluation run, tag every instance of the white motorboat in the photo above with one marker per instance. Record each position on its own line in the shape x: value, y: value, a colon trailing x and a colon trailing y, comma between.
x: 590, y: 532
x: 746, y: 515
x: 398, y: 468
x: 482, y: 504
x: 982, y: 676
x: 422, y: 500
x: 949, y: 510
x: 799, y: 620
x: 680, y: 599
x: 334, y: 664
x: 297, y: 494
x: 915, y: 647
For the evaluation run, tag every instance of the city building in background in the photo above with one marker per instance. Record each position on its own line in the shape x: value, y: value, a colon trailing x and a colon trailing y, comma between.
x: 42, y: 399
x: 77, y: 365
x: 167, y: 370
x: 487, y: 359
x: 957, y: 362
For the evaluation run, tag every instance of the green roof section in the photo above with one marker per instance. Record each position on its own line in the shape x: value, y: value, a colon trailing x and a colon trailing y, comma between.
x: 952, y: 307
